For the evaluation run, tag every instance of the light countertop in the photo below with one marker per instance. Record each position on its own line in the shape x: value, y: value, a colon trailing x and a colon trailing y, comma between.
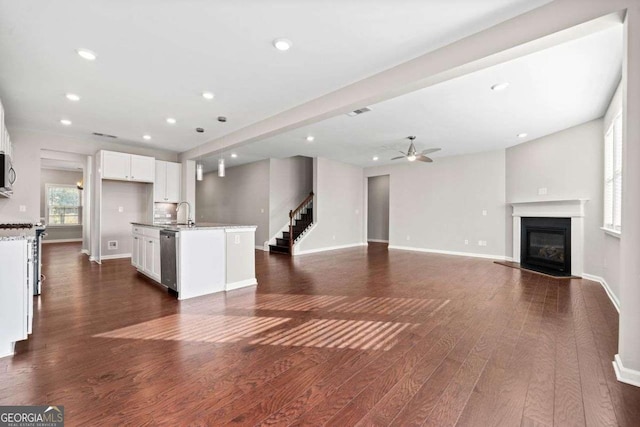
x: 17, y: 234
x: 198, y: 226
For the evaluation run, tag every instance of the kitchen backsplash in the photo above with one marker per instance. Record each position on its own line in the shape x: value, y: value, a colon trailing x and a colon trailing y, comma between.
x: 164, y: 212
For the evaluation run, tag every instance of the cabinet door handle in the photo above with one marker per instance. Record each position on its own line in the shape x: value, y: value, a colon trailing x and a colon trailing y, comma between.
x: 135, y: 238
x: 150, y: 241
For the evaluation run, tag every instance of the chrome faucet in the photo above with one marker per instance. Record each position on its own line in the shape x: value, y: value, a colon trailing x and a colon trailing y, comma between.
x: 189, y: 221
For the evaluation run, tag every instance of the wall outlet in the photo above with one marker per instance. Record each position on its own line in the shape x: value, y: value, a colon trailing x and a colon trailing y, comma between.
x: 466, y: 241
x: 120, y: 209
x: 484, y: 212
x: 482, y: 243
x: 408, y: 237
x: 112, y: 244
x: 236, y: 239
x: 261, y: 210
x: 334, y: 237
x: 23, y: 208
x: 542, y: 191
x: 357, y: 211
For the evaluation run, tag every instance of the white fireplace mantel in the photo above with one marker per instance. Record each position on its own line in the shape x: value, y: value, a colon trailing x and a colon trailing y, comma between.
x: 567, y: 208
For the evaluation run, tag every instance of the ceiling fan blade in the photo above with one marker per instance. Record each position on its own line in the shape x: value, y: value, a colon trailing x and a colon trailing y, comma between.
x: 399, y: 157
x: 425, y: 159
x: 430, y: 150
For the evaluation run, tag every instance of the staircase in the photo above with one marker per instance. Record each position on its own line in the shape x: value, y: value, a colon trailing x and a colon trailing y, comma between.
x: 300, y: 219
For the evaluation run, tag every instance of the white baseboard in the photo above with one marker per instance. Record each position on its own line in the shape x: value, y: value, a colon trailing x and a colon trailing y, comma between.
x: 240, y: 284
x: 117, y: 256
x: 85, y: 251
x: 607, y: 289
x: 625, y: 375
x: 261, y: 248
x: 93, y: 259
x: 45, y: 241
x: 377, y: 241
x: 438, y: 251
x: 329, y: 248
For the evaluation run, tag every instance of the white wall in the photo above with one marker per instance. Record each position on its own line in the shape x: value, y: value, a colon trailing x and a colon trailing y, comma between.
x: 338, y: 207
x: 134, y: 198
x: 569, y: 164
x: 52, y: 176
x: 437, y: 206
x: 241, y: 197
x: 378, y: 208
x: 290, y: 182
x: 26, y: 148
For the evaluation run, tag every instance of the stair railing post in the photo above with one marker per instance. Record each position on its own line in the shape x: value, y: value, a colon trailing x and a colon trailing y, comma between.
x: 291, y: 232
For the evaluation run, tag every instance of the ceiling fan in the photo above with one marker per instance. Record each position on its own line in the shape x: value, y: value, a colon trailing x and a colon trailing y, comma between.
x: 412, y: 155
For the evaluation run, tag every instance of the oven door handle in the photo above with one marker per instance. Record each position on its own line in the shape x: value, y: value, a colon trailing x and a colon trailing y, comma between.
x: 12, y: 175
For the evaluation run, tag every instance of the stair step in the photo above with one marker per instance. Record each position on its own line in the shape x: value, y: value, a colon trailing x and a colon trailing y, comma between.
x: 275, y: 249
x: 282, y: 242
x: 285, y: 235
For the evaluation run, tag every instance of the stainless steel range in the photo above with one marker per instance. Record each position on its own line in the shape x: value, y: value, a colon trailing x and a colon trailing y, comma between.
x: 34, y: 233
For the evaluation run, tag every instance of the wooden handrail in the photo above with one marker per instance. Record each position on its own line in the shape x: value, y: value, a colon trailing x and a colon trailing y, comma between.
x: 292, y: 215
x: 301, y: 205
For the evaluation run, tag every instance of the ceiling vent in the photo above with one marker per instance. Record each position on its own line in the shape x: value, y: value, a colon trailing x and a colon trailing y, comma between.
x: 359, y: 111
x: 104, y: 135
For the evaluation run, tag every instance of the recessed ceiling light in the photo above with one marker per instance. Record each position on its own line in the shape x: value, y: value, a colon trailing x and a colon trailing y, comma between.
x: 65, y: 122
x: 171, y: 120
x: 146, y: 137
x: 234, y: 155
x: 522, y: 135
x: 500, y: 86
x: 207, y: 95
x: 72, y: 97
x: 375, y: 158
x: 310, y: 138
x: 87, y: 54
x: 282, y: 44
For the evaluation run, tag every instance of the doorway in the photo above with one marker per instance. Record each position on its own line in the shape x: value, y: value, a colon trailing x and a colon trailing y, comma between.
x: 378, y: 209
x: 64, y: 208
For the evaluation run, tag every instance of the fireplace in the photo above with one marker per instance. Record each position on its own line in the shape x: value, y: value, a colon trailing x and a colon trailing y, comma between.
x: 545, y: 245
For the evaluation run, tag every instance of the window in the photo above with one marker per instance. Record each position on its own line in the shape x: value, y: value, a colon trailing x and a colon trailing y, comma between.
x: 64, y: 206
x: 613, y: 176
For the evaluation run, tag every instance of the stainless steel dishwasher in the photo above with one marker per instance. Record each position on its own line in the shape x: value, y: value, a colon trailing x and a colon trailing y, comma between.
x: 168, y: 259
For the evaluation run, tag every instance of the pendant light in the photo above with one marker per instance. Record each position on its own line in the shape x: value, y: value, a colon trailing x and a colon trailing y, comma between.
x: 221, y: 168
x: 199, y: 171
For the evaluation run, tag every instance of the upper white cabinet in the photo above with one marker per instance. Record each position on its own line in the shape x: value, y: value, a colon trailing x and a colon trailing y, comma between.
x: 168, y: 182
x: 127, y: 167
x: 143, y: 168
x: 5, y: 139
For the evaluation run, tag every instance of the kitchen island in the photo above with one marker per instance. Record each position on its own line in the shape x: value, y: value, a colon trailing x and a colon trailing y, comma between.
x: 195, y: 260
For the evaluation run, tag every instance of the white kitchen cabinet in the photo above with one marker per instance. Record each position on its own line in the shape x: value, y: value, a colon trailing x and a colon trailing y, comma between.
x: 145, y: 256
x: 14, y: 288
x: 143, y: 168
x: 136, y: 251
x: 127, y: 167
x: 116, y: 165
x: 168, y: 182
x: 152, y: 258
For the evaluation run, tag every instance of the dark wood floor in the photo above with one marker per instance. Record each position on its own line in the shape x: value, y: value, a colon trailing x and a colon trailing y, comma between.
x: 351, y: 337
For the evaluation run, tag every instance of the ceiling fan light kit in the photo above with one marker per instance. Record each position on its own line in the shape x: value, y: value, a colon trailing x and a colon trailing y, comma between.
x: 412, y: 155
